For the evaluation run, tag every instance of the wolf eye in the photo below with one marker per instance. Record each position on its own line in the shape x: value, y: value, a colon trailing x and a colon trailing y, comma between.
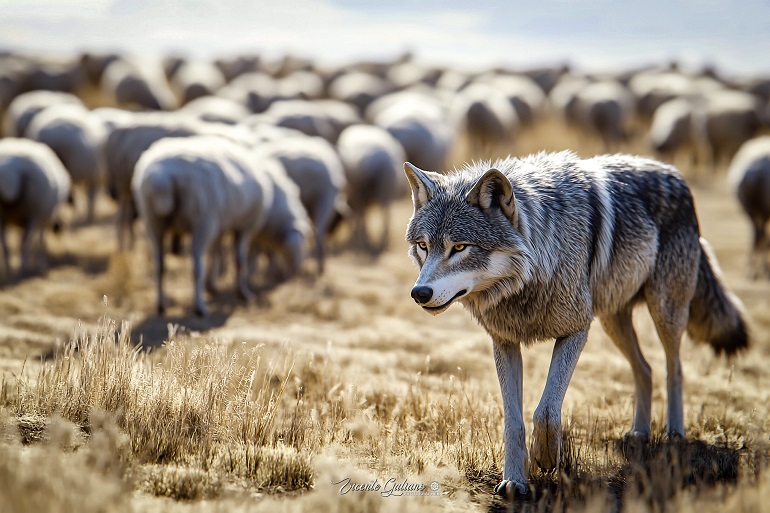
x: 423, y: 245
x: 459, y: 247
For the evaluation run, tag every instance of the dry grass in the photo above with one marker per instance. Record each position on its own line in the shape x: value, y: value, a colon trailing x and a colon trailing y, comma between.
x: 263, y: 407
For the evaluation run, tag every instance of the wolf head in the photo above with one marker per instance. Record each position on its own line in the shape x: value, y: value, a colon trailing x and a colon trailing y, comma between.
x: 465, y: 237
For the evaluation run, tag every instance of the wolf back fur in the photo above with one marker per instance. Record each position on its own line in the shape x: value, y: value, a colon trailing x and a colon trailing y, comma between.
x: 535, y: 248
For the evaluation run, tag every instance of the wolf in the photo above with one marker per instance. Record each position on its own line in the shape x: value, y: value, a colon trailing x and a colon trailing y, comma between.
x: 536, y: 247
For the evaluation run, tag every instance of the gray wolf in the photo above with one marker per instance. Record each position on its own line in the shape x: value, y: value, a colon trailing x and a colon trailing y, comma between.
x: 535, y: 248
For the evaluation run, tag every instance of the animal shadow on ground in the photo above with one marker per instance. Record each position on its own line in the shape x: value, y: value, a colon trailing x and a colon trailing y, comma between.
x: 154, y: 330
x: 651, y: 473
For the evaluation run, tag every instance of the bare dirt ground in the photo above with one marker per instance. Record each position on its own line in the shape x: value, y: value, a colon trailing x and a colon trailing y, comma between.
x: 369, y: 341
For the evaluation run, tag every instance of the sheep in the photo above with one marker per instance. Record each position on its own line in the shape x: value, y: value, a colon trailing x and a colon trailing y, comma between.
x: 301, y: 115
x: 26, y: 106
x: 233, y: 67
x: 723, y: 120
x: 749, y: 177
x: 206, y: 186
x: 359, y: 89
x: 286, y: 230
x: 313, y: 164
x: 523, y: 93
x: 32, y: 185
x: 605, y: 108
x: 54, y: 73
x: 125, y: 144
x: 305, y: 85
x: 77, y: 138
x: 486, y: 117
x: 215, y: 109
x: 195, y: 79
x: 255, y: 90
x: 671, y: 132
x: 138, y: 83
x: 94, y: 64
x: 419, y: 123
x: 372, y: 160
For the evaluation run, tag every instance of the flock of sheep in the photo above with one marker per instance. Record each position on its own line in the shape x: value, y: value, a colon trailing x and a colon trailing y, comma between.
x: 251, y: 157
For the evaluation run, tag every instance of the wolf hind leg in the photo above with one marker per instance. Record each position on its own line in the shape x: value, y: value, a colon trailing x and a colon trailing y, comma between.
x: 620, y: 328
x: 670, y: 316
x: 546, y: 435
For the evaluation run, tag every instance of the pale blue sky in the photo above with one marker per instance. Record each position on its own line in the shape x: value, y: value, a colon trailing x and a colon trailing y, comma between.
x: 593, y: 34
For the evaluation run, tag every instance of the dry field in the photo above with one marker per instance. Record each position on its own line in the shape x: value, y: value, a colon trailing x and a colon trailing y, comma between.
x: 106, y: 407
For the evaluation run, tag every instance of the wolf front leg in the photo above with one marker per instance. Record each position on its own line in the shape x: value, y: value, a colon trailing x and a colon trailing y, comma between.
x: 509, y: 372
x: 546, y: 435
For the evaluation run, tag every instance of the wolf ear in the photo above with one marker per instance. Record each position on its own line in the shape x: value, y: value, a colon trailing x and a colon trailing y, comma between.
x: 423, y: 187
x: 494, y: 189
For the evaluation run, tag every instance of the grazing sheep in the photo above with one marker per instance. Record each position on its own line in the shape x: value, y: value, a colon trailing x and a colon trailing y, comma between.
x: 372, y: 159
x: 749, y: 176
x: 195, y: 79
x: 126, y: 143
x: 26, y: 106
x: 671, y: 132
x: 54, y: 73
x: 605, y: 108
x: 523, y: 93
x: 286, y: 230
x: 255, y: 90
x: 235, y: 66
x: 205, y: 186
x: 359, y: 89
x: 723, y: 120
x: 313, y: 164
x: 419, y: 123
x: 215, y: 109
x: 32, y: 184
x: 486, y: 116
x: 304, y: 85
x: 139, y: 84
x: 94, y: 64
x: 77, y: 138
x: 302, y: 115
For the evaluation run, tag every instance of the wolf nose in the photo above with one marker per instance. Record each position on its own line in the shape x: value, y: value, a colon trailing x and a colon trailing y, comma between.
x: 422, y: 294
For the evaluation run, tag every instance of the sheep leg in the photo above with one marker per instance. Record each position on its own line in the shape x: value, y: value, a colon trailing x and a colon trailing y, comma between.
x: 201, y: 243
x: 91, y: 202
x: 26, y: 250
x: 215, y: 266
x: 241, y: 242
x: 156, y: 241
x: 6, y: 270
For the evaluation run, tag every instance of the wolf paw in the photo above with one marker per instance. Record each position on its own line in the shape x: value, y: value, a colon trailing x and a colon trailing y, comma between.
x: 635, y: 437
x: 510, y: 490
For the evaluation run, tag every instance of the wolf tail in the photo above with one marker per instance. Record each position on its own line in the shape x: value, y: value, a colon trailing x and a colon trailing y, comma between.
x: 716, y: 314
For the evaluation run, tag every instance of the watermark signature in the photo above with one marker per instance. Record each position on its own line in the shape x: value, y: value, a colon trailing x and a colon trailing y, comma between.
x: 392, y: 487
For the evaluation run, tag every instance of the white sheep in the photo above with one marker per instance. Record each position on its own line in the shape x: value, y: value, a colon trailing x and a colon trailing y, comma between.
x: 77, y: 138
x: 359, y: 89
x: 313, y: 164
x: 605, y: 108
x: 486, y: 117
x: 206, y: 186
x: 32, y: 185
x: 749, y: 177
x: 523, y: 93
x: 372, y: 159
x: 287, y: 228
x: 196, y: 79
x: 26, y: 106
x: 126, y: 143
x: 723, y: 120
x: 419, y: 122
x: 671, y: 132
x: 138, y: 83
x: 216, y: 109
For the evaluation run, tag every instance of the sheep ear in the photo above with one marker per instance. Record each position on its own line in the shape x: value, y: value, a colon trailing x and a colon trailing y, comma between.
x: 494, y: 190
x: 423, y: 184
